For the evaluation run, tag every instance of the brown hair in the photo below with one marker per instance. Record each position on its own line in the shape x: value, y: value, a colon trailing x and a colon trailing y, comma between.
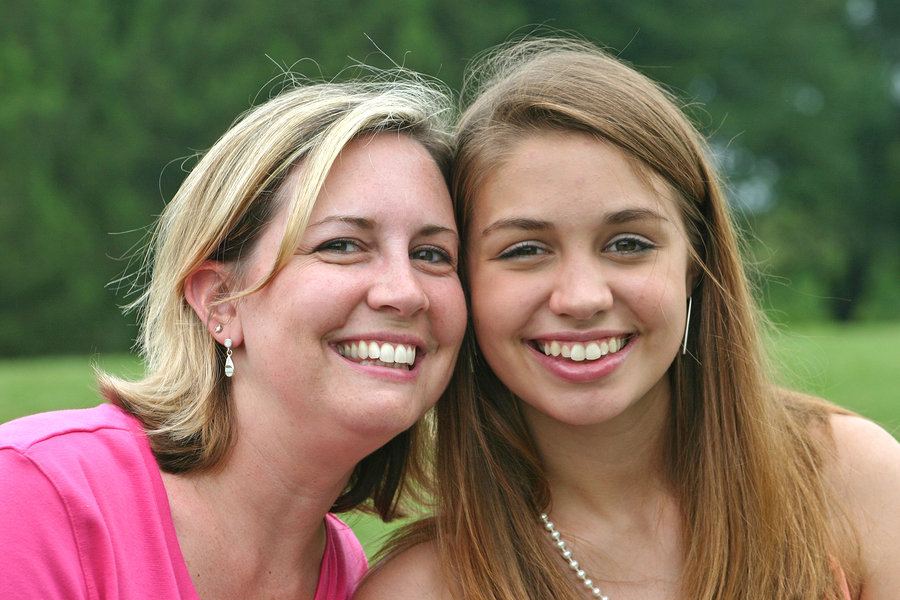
x: 743, y: 457
x: 219, y: 213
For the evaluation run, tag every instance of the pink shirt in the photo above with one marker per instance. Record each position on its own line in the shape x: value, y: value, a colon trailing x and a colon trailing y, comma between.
x: 84, y: 514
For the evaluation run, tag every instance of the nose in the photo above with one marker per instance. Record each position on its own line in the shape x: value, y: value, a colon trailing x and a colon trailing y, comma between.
x: 581, y: 289
x: 398, y: 288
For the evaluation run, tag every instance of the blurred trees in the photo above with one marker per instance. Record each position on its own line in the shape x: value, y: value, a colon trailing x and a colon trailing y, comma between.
x: 100, y: 101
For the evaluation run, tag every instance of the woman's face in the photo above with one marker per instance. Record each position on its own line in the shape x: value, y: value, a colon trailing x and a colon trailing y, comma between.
x: 579, y: 271
x: 360, y: 330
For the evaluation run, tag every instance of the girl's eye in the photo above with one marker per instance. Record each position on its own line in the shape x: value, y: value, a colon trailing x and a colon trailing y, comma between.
x: 431, y: 254
x: 341, y: 246
x: 524, y: 249
x: 630, y: 245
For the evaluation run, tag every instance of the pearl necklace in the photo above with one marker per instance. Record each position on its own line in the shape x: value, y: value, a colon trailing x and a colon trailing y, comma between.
x: 573, y: 564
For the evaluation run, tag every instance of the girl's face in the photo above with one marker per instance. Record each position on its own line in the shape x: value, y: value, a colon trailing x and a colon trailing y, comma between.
x: 579, y: 270
x: 358, y: 334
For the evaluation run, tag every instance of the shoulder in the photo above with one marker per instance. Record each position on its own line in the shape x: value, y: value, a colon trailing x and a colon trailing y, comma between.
x: 412, y: 573
x: 74, y: 445
x: 866, y: 458
x: 32, y: 431
x: 865, y: 475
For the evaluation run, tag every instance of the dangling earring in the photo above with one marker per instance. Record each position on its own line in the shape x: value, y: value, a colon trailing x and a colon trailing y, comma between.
x: 229, y: 364
x: 687, y: 325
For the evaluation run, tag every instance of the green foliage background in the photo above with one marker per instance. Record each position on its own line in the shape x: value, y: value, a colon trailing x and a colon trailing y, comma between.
x: 102, y: 102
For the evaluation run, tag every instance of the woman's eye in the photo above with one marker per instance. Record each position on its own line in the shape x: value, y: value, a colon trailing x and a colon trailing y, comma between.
x: 341, y: 246
x: 431, y: 254
x: 629, y: 245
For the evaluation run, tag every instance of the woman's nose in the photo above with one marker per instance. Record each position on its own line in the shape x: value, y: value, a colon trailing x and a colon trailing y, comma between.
x: 398, y: 287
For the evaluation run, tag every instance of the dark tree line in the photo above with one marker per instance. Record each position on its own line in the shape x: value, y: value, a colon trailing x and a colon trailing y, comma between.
x: 102, y: 100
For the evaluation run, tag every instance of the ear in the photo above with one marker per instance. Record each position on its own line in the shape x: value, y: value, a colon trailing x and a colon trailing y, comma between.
x: 694, y: 277
x: 204, y: 289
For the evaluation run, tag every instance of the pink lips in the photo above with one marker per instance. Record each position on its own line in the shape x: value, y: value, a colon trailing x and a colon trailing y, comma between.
x: 585, y: 371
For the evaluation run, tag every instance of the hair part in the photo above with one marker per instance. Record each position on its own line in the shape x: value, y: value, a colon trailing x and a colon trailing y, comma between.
x: 219, y: 214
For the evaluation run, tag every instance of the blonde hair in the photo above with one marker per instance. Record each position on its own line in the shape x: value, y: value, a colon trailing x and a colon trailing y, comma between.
x: 218, y: 214
x: 743, y: 457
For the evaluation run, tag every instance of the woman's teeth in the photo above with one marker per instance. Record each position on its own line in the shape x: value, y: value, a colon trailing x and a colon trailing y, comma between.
x: 578, y: 351
x: 382, y: 354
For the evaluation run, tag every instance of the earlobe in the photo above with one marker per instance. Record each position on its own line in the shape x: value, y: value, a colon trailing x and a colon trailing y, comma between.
x: 204, y: 289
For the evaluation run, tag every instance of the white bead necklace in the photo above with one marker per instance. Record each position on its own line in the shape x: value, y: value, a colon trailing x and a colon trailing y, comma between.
x: 573, y: 564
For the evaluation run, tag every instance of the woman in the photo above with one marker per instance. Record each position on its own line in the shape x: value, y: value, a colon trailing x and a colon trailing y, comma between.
x: 303, y: 313
x: 623, y: 439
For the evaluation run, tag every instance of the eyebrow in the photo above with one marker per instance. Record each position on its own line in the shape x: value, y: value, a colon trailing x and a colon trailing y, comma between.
x: 359, y: 222
x: 617, y: 218
x: 369, y: 224
x: 519, y: 223
x: 634, y: 214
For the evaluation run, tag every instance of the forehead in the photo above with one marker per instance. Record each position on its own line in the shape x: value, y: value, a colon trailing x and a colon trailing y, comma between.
x: 567, y: 175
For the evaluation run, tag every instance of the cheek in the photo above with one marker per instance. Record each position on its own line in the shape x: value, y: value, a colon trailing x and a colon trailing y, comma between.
x: 448, y: 307
x: 496, y: 319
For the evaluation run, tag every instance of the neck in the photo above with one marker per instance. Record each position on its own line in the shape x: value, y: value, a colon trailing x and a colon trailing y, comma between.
x: 606, y: 467
x: 253, y: 526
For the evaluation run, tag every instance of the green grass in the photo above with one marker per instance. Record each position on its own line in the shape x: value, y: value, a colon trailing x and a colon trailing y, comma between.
x: 855, y: 366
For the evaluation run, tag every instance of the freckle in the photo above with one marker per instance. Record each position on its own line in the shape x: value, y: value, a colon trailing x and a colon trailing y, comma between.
x: 579, y: 179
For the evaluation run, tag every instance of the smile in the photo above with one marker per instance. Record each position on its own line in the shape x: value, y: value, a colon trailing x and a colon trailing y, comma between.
x: 382, y: 354
x: 582, y: 351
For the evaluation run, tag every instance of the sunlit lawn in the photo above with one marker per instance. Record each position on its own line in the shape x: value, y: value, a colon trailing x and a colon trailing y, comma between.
x: 856, y: 366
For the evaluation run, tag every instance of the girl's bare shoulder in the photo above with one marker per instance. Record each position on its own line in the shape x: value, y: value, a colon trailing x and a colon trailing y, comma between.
x: 414, y: 572
x: 865, y: 474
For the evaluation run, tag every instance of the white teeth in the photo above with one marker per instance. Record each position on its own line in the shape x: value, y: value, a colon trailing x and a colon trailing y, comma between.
x: 399, y: 354
x: 580, y: 352
x: 370, y: 353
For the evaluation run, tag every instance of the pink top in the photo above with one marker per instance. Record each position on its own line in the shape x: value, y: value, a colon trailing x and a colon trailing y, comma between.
x: 84, y: 514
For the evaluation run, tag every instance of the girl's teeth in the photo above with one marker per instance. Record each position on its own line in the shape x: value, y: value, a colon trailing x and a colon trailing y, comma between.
x: 580, y: 352
x: 577, y: 352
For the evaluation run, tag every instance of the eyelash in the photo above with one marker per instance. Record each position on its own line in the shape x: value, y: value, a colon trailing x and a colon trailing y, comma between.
x: 643, y: 245
x: 331, y: 246
x: 443, y: 254
x: 517, y: 251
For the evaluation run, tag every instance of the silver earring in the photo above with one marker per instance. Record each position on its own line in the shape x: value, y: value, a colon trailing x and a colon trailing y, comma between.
x: 219, y: 328
x: 229, y: 364
x: 687, y: 325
